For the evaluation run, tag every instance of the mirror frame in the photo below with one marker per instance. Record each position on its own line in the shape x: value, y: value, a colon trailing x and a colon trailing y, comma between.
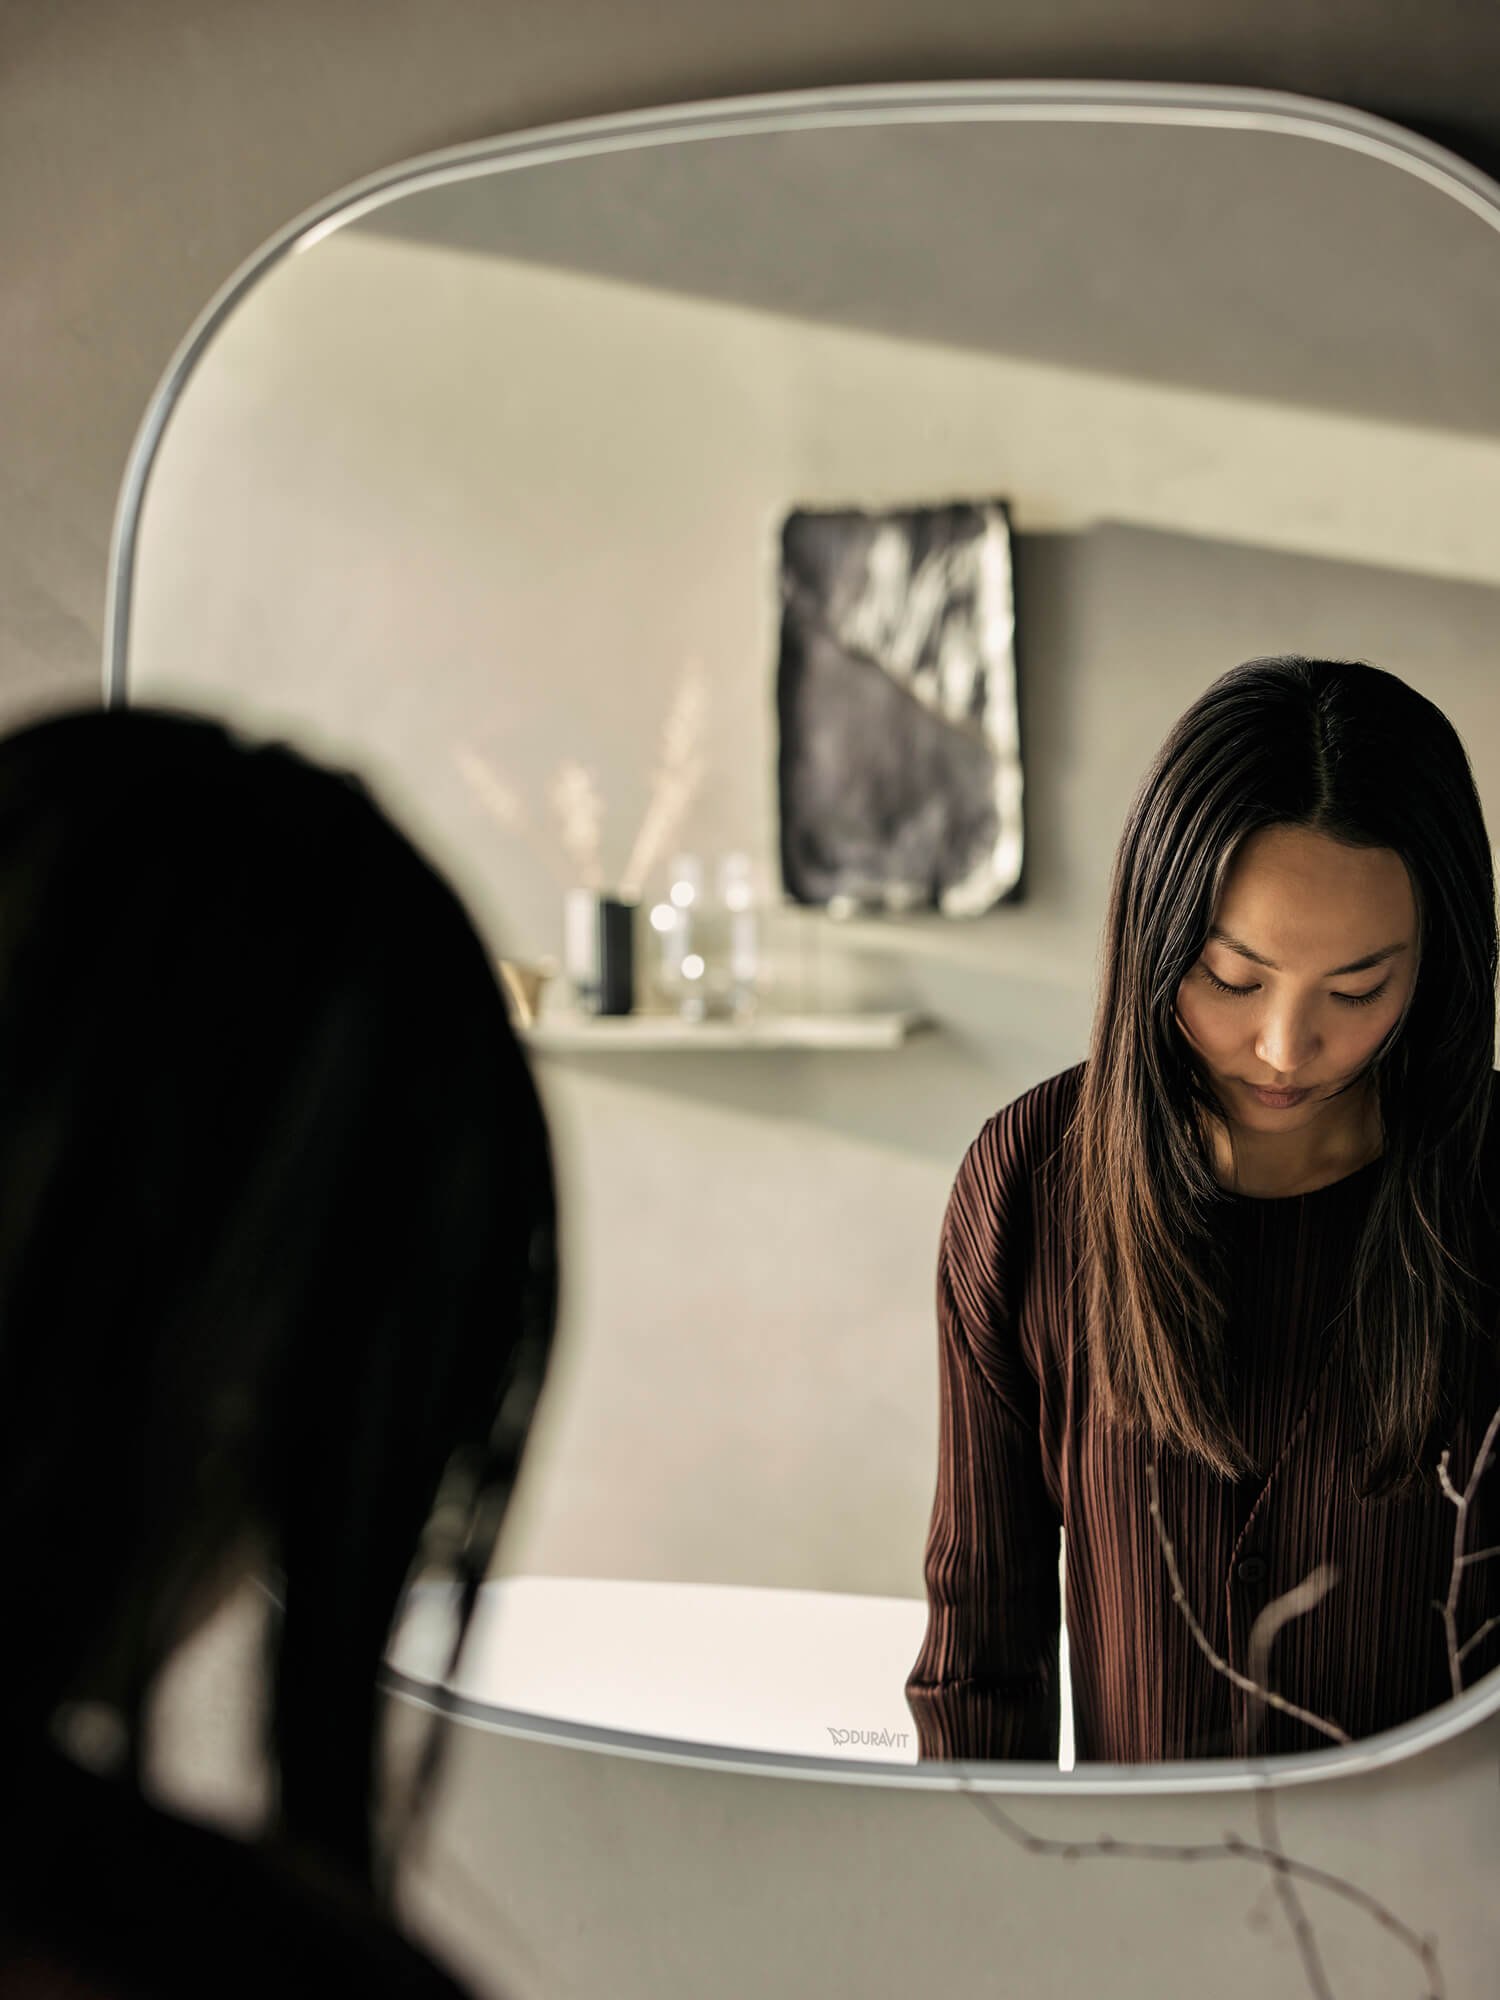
x: 1010, y: 102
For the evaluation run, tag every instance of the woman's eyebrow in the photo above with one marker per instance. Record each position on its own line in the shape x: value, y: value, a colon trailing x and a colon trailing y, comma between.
x: 1216, y: 936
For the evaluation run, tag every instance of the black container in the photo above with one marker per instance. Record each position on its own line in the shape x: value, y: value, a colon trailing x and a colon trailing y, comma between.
x: 616, y: 957
x: 599, y: 950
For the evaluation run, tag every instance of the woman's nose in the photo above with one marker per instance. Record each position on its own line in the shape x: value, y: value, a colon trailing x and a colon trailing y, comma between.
x: 1286, y: 1041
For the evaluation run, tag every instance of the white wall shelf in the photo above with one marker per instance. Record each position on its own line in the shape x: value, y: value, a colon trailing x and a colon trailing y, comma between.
x: 644, y: 1034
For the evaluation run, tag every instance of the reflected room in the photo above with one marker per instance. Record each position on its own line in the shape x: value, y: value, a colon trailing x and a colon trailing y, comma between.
x: 759, y: 570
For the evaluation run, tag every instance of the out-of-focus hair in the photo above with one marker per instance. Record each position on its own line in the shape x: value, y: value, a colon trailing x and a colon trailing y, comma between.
x: 1353, y: 753
x: 276, y: 1230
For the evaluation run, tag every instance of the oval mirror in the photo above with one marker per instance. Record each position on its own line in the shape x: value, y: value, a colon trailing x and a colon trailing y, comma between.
x: 545, y: 481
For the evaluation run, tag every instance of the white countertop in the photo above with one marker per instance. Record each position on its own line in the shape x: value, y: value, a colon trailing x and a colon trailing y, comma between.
x: 805, y: 1672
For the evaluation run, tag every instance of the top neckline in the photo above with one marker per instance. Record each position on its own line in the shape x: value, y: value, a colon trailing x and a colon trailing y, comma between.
x: 1307, y: 1194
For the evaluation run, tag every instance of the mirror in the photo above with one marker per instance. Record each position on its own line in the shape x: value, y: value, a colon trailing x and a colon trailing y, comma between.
x: 480, y: 476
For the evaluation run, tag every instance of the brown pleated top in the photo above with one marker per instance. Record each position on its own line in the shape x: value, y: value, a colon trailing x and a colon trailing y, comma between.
x: 1021, y: 1457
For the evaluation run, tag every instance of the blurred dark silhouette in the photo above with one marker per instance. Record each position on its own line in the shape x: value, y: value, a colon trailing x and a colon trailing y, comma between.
x: 276, y: 1263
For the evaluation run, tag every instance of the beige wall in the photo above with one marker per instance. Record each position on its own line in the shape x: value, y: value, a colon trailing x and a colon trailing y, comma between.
x: 145, y: 151
x: 416, y: 499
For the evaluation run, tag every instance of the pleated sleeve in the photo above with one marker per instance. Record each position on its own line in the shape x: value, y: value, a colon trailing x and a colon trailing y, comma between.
x: 985, y: 1684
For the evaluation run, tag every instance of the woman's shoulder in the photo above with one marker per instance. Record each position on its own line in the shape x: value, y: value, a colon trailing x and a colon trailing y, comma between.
x: 1014, y: 1140
x: 994, y: 1190
x: 999, y: 1211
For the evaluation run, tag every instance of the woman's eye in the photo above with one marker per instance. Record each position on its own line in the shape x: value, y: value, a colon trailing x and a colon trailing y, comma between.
x: 1220, y: 987
x: 1223, y: 987
x: 1349, y: 999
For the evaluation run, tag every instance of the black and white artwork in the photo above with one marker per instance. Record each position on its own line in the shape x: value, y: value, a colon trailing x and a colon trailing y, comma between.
x: 900, y: 758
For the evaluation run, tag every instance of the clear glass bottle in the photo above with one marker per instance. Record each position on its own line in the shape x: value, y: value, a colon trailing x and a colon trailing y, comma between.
x: 742, y: 934
x: 678, y: 922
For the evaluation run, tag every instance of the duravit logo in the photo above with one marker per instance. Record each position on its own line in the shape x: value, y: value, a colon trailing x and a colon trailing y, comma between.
x: 883, y: 1739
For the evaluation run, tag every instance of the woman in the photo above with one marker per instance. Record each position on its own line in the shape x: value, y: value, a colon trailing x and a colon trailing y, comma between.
x: 276, y: 1264
x: 1270, y: 1316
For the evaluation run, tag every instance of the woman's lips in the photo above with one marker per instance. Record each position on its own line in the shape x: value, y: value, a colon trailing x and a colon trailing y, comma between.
x: 1279, y: 1100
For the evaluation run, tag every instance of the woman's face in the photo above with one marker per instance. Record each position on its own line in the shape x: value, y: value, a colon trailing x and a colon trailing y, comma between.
x: 1272, y: 999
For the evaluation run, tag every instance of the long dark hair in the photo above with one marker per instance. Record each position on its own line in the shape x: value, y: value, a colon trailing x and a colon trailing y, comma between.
x: 276, y: 1229
x: 1352, y: 753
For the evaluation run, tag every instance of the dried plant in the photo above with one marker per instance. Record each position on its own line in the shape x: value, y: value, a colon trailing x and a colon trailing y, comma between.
x: 494, y: 794
x: 574, y: 797
x: 1270, y: 1621
x: 675, y: 783
x: 1294, y: 1603
x: 578, y: 805
x: 500, y: 802
x: 1285, y: 1871
x: 1448, y: 1610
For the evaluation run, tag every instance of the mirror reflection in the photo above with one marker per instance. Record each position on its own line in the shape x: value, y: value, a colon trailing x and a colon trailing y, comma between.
x: 489, y: 494
x: 1182, y: 1304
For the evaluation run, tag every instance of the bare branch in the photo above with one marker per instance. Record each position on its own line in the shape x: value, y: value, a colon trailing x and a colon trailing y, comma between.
x: 678, y: 776
x: 1291, y: 1902
x: 1462, y: 1502
x: 1285, y: 1872
x: 1242, y: 1681
x: 1483, y: 1455
x: 1231, y: 1848
x: 1473, y: 1640
x: 574, y: 797
x: 503, y: 805
x: 1293, y: 1603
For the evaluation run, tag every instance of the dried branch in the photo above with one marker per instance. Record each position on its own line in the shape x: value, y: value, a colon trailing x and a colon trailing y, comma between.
x: 1448, y: 1610
x: 1293, y: 1603
x: 1232, y: 1847
x: 574, y: 797
x: 493, y: 793
x: 1281, y: 1880
x: 1285, y: 1872
x: 503, y: 805
x: 1474, y: 1638
x: 675, y: 783
x: 1242, y: 1681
